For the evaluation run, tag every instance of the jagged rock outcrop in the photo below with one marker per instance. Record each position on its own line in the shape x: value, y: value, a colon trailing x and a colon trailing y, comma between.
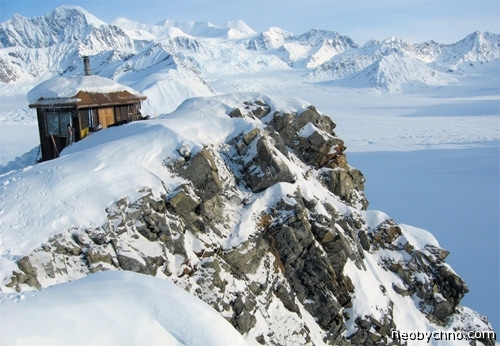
x: 285, y: 272
x: 441, y: 295
x: 202, y: 172
x: 262, y: 163
x: 310, y: 136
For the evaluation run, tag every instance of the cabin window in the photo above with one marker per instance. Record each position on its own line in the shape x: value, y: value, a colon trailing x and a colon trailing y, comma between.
x: 57, y: 123
x: 52, y: 124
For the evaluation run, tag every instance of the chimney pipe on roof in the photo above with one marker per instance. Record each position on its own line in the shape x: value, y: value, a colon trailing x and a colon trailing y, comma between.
x: 86, y: 66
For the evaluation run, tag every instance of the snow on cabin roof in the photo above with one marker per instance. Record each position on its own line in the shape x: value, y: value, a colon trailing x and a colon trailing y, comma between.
x: 86, y: 99
x: 68, y: 87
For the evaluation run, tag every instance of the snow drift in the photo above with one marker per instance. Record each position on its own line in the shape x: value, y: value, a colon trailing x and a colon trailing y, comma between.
x: 113, y: 308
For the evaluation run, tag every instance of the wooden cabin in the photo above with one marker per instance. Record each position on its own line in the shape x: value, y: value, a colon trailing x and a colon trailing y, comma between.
x: 86, y: 103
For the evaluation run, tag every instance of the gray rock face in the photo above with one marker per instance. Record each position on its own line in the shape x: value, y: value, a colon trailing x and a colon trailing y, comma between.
x: 284, y: 281
x: 342, y: 184
x: 267, y: 168
x: 262, y: 160
x: 99, y: 255
x: 183, y: 200
x: 202, y: 172
x: 254, y: 110
x: 310, y: 136
x: 437, y: 307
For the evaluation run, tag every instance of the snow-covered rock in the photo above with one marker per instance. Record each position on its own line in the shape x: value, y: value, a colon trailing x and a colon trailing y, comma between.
x: 261, y: 217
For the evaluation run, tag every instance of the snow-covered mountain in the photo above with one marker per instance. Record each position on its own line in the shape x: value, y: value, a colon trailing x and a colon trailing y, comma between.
x: 63, y: 24
x: 477, y: 48
x: 169, y: 28
x: 308, y: 50
x: 393, y: 73
x: 396, y: 66
x: 201, y: 50
x: 246, y: 201
x: 159, y: 68
x: 261, y: 217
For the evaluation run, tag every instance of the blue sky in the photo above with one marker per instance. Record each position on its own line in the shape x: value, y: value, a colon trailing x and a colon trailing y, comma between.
x: 444, y: 21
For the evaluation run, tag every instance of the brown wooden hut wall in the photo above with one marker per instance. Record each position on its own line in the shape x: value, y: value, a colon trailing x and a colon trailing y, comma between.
x: 51, y: 146
x: 84, y: 122
x: 126, y: 113
x: 121, y: 114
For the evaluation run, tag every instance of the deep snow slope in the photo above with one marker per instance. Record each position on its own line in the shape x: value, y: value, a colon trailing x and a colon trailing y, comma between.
x: 91, y: 311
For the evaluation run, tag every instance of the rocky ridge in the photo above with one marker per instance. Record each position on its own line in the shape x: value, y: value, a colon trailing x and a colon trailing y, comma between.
x: 294, y: 278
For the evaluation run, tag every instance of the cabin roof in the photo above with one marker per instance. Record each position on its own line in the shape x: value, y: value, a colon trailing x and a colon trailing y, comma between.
x: 82, y: 91
x: 87, y: 100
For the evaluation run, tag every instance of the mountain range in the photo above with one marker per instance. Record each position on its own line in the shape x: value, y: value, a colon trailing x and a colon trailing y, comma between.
x: 177, y: 60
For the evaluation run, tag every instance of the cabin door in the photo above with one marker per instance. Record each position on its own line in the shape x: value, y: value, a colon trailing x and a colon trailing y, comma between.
x: 106, y: 116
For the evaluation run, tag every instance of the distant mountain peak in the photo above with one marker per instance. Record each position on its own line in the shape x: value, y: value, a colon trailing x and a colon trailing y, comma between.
x: 239, y: 24
x: 314, y: 36
x: 320, y: 32
x: 63, y: 23
x: 239, y: 29
x: 275, y: 29
x: 232, y: 30
x: 392, y: 39
x: 67, y: 11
